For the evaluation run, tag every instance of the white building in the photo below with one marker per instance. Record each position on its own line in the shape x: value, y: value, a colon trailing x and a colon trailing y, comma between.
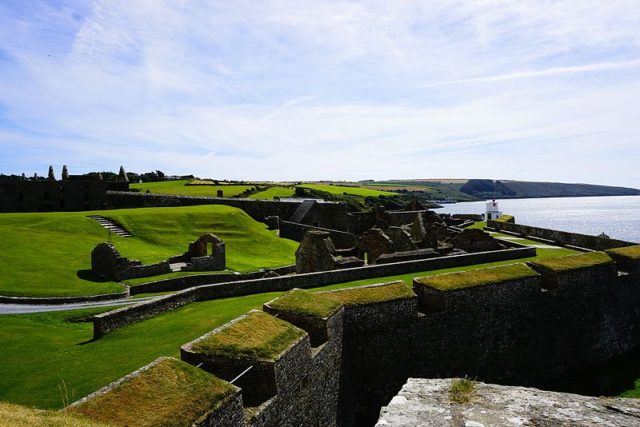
x: 492, y: 211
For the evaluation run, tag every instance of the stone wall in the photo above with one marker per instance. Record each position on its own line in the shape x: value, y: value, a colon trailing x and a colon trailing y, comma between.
x: 296, y: 231
x: 561, y: 237
x: 47, y: 196
x: 107, y: 262
x: 111, y: 320
x: 185, y: 282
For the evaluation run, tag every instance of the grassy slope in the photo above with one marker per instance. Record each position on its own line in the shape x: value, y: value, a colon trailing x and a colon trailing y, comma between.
x: 272, y: 192
x: 58, y: 350
x: 339, y: 190
x: 44, y: 251
x: 179, y: 187
x: 162, y: 232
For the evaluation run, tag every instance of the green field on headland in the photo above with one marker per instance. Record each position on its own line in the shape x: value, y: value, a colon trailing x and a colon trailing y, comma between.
x: 179, y: 187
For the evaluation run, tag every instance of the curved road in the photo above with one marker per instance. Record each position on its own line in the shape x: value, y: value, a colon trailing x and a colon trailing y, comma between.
x: 39, y: 308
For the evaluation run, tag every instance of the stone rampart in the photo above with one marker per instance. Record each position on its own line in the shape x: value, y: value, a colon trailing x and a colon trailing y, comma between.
x: 563, y: 238
x: 111, y: 320
x: 185, y: 282
x: 106, y: 322
x: 502, y: 325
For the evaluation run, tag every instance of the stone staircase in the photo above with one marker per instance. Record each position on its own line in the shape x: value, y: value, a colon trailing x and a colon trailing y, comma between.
x: 111, y: 225
x: 302, y: 211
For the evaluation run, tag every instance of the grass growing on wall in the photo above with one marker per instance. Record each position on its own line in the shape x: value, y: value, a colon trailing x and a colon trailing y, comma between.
x: 178, y: 187
x: 631, y: 252
x: 589, y: 259
x: 49, y: 254
x: 170, y: 392
x: 257, y: 335
x: 367, y: 295
x: 306, y: 303
x: 485, y: 276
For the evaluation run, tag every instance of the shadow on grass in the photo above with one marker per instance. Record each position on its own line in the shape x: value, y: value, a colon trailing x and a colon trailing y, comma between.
x: 89, y: 341
x: 90, y: 276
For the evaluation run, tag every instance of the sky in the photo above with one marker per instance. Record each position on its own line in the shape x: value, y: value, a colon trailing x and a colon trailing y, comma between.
x: 313, y: 89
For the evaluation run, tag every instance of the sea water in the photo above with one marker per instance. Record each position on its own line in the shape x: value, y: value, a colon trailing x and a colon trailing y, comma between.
x: 616, y: 216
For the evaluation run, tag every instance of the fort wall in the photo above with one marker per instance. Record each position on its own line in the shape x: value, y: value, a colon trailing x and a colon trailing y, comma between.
x: 530, y: 329
x: 48, y: 196
x: 106, y: 322
x: 563, y: 238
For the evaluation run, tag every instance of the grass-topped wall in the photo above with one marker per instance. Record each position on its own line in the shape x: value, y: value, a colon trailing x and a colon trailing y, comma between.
x: 308, y: 311
x: 583, y: 270
x: 256, y: 335
x: 506, y: 218
x: 627, y: 258
x: 252, y: 350
x: 482, y: 277
x: 373, y: 306
x: 363, y: 295
x: 166, y: 392
x: 573, y: 262
x: 476, y: 289
x: 305, y: 303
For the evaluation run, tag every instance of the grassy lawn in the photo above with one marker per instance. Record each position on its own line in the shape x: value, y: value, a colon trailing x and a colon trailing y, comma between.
x: 41, y: 350
x: 43, y: 252
x: 49, y: 254
x: 355, y: 191
x: 162, y: 232
x: 272, y: 192
x: 179, y: 187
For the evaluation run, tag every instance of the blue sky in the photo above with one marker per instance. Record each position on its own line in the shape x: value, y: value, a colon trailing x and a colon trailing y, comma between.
x: 281, y: 90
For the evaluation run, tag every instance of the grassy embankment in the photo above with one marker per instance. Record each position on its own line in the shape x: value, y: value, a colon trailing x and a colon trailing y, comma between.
x: 49, y: 254
x: 272, y: 192
x: 178, y: 187
x: 42, y: 350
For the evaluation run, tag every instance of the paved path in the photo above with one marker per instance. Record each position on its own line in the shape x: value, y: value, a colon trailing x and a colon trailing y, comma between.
x: 25, y: 308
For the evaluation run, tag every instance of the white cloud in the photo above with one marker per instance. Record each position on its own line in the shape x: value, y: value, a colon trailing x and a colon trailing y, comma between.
x: 326, y: 89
